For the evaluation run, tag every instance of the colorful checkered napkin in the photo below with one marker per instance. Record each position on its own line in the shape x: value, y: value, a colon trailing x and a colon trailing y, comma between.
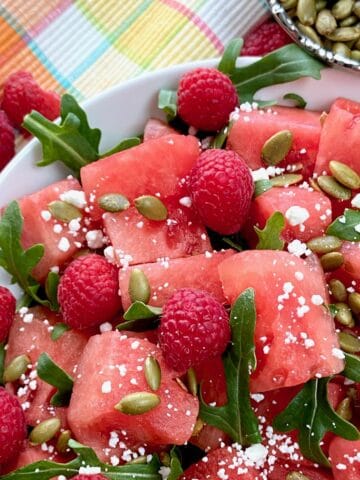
x: 86, y: 46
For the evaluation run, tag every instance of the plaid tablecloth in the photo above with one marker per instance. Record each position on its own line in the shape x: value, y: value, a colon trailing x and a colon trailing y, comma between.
x: 86, y: 46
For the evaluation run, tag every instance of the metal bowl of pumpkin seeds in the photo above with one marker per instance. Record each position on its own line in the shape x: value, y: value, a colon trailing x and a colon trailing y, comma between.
x: 328, y: 29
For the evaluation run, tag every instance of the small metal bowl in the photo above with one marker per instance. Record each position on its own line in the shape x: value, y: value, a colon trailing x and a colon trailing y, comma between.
x: 305, y: 42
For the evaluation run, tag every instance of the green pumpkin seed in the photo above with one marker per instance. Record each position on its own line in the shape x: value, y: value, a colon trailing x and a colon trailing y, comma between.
x: 349, y: 21
x: 113, y: 202
x: 338, y: 290
x: 345, y: 175
x: 344, y: 409
x: 306, y: 12
x: 344, y: 34
x: 199, y: 425
x: 16, y: 368
x: 349, y: 343
x: 354, y: 302
x: 325, y: 22
x: 331, y: 261
x: 286, y: 180
x: 64, y: 212
x: 181, y: 384
x: 344, y: 315
x: 63, y: 440
x: 342, y: 9
x: 165, y: 459
x: 355, y: 55
x: 138, y: 403
x: 356, y: 9
x: 324, y: 244
x: 342, y: 49
x: 139, y: 287
x: 314, y: 185
x: 192, y: 381
x: 310, y: 33
x: 320, y: 5
x: 289, y: 4
x: 333, y: 188
x: 45, y: 431
x: 277, y: 147
x: 151, y: 207
x: 152, y: 373
x: 296, y: 476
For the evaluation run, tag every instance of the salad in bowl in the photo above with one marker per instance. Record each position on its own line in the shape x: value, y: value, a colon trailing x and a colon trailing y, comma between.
x: 188, y: 300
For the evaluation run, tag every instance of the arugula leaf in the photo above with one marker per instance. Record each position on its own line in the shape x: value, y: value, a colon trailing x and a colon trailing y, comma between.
x: 167, y: 102
x: 262, y: 186
x: 298, y: 99
x: 175, y: 465
x: 283, y: 65
x: 237, y: 418
x: 52, y: 374
x: 269, y: 237
x: 123, y: 145
x: 51, y: 288
x: 45, y: 470
x: 18, y: 262
x: 347, y: 226
x: 352, y: 367
x: 310, y: 413
x: 2, y: 362
x: 232, y: 51
x: 58, y: 331
x: 232, y: 244
x: 140, y: 317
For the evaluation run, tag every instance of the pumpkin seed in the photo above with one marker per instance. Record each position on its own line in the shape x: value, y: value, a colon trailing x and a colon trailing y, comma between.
x: 325, y: 22
x: 344, y: 409
x: 320, y: 5
x: 181, y: 384
x: 165, y: 459
x: 355, y: 55
x: 344, y: 34
x: 16, y: 368
x: 138, y: 403
x: 63, y: 440
x: 340, y: 48
x: 306, y: 12
x: 338, y: 290
x: 113, y: 202
x: 199, y: 425
x: 139, y: 287
x: 288, y: 4
x: 64, y: 212
x: 286, y: 180
x: 192, y: 381
x: 324, y: 244
x: 151, y: 207
x: 45, y: 431
x: 342, y: 9
x: 333, y: 188
x: 277, y: 147
x: 331, y: 261
x: 310, y: 33
x: 357, y: 45
x: 356, y: 9
x: 354, y: 302
x: 152, y: 373
x: 349, y: 21
x: 349, y: 343
x: 313, y: 184
x: 345, y: 175
x: 343, y: 314
x: 296, y: 476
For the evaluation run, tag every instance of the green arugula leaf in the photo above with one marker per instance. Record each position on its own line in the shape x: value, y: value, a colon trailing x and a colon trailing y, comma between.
x: 175, y: 465
x: 140, y: 317
x: 45, y: 470
x: 123, y: 145
x: 283, y: 65
x: 352, y: 367
x: 52, y: 374
x: 51, y: 288
x: 269, y: 237
x: 18, y: 262
x: 232, y: 244
x: 310, y: 413
x: 2, y: 362
x: 58, y: 331
x: 237, y: 418
x: 232, y: 51
x: 298, y: 99
x: 262, y: 186
x: 347, y: 226
x: 333, y: 309
x: 167, y: 102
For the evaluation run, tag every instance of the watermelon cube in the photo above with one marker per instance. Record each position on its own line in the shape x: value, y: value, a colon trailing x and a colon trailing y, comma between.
x: 59, y: 240
x: 251, y: 130
x: 345, y: 459
x: 167, y: 277
x: 351, y: 253
x: 156, y: 166
x: 295, y: 335
x: 110, y: 368
x: 340, y: 136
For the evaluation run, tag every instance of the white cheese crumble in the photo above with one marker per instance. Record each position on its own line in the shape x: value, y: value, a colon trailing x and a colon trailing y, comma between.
x: 45, y: 215
x: 296, y: 215
x: 185, y: 201
x: 106, y: 387
x: 74, y: 197
x: 63, y: 244
x: 94, y: 239
x: 355, y: 202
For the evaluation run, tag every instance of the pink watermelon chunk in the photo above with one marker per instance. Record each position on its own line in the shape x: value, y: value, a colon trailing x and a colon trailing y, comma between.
x: 110, y: 368
x: 345, y: 459
x: 351, y: 253
x: 340, y: 136
x: 307, y: 213
x: 166, y: 278
x: 39, y: 227
x: 155, y: 128
x: 30, y: 334
x: 156, y: 166
x: 295, y: 335
x: 251, y: 130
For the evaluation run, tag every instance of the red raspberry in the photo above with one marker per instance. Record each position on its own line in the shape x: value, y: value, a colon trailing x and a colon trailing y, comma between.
x: 206, y: 97
x: 89, y: 292
x: 194, y: 327
x: 7, y: 140
x: 22, y: 94
x: 90, y: 476
x: 7, y: 312
x: 265, y: 38
x: 221, y: 187
x: 12, y: 426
